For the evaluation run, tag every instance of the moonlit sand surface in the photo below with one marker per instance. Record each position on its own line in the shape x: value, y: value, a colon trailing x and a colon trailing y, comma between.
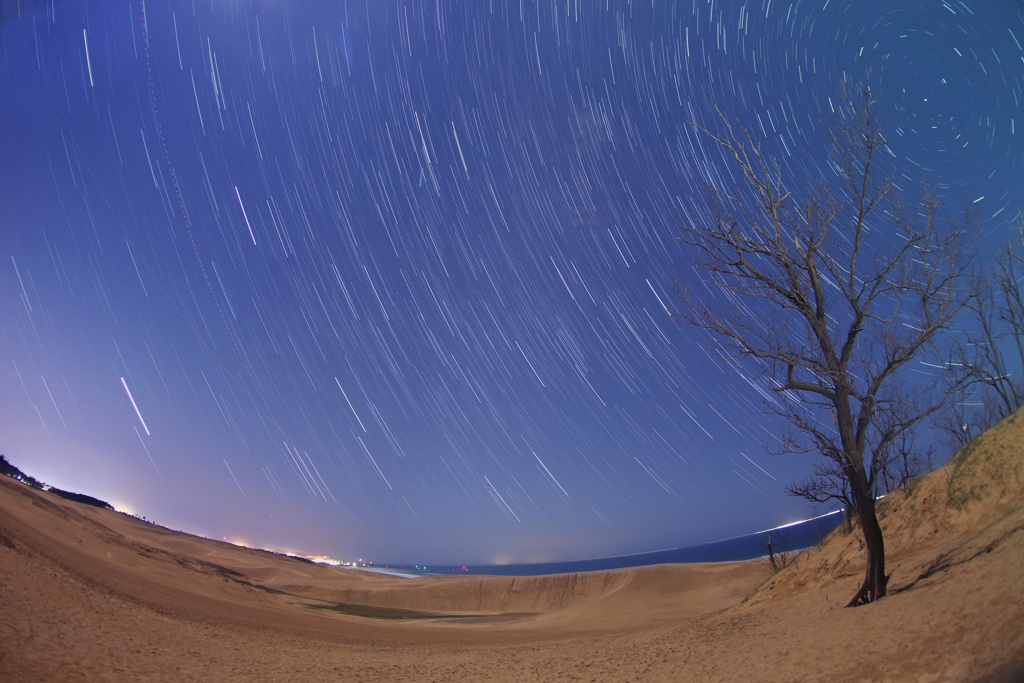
x: 90, y: 594
x: 386, y: 279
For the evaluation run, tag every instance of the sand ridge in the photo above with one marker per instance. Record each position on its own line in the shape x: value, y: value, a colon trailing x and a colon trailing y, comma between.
x: 90, y: 594
x: 151, y: 565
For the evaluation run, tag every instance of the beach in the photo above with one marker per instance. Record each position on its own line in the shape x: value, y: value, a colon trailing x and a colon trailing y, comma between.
x: 92, y: 594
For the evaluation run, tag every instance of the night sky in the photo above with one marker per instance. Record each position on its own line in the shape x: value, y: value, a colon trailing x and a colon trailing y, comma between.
x: 387, y: 279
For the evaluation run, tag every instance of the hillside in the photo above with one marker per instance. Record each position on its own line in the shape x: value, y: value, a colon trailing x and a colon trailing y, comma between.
x: 976, y: 497
x: 7, y: 469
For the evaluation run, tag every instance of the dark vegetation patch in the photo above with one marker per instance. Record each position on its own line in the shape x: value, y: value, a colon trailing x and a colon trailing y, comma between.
x: 11, y: 471
x: 82, y: 498
x: 375, y: 612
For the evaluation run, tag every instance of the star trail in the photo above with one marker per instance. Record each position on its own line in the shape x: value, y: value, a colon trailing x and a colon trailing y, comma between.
x: 389, y: 279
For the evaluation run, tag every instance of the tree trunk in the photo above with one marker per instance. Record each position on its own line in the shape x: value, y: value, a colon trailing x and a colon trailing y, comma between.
x: 771, y: 553
x: 875, y: 579
x: 848, y: 516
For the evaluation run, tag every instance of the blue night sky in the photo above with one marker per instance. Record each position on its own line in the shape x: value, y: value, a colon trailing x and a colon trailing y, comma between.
x: 387, y: 279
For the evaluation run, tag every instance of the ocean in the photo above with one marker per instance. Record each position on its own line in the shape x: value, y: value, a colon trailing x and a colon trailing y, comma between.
x: 792, y: 537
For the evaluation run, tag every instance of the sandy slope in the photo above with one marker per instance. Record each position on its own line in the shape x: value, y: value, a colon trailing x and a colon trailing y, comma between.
x: 88, y: 594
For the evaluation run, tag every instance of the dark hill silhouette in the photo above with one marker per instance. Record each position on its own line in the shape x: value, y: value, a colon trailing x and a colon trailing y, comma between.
x: 11, y: 471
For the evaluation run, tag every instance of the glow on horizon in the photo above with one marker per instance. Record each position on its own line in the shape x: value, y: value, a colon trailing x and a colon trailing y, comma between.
x: 123, y: 509
x: 789, y: 524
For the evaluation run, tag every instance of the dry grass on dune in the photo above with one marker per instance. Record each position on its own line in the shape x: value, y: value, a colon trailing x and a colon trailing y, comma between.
x: 89, y: 594
x: 982, y: 486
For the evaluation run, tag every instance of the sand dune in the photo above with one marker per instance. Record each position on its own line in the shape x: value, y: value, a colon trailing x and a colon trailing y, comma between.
x: 89, y: 594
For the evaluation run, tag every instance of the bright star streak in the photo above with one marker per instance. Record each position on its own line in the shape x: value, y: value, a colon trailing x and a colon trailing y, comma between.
x: 549, y: 474
x: 244, y: 215
x: 130, y: 398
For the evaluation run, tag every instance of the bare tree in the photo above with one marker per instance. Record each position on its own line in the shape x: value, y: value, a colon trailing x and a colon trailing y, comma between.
x: 996, y: 348
x: 836, y: 297
x: 992, y: 352
x: 779, y: 555
x: 962, y: 420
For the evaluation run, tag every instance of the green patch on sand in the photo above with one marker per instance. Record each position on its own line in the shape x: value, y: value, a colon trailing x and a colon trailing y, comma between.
x: 376, y: 612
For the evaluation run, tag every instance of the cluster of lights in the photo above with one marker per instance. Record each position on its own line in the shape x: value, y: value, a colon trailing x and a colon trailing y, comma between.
x: 319, y: 559
x: 324, y: 559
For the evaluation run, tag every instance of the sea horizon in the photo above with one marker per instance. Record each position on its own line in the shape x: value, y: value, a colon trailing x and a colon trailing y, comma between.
x: 785, y: 538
